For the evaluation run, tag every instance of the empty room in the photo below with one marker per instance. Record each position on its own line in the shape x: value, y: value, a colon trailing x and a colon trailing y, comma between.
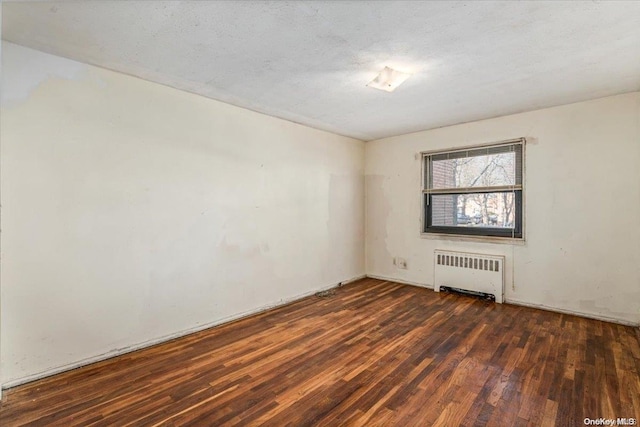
x: 320, y: 213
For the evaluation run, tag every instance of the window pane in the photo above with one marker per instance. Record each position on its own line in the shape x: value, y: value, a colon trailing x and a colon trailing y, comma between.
x: 477, y: 171
x: 495, y: 210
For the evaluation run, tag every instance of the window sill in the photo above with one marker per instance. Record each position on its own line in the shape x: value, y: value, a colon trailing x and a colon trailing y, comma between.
x: 519, y: 241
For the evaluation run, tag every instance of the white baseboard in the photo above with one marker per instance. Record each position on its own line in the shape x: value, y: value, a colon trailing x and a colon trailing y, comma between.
x: 160, y: 340
x: 353, y: 279
x: 522, y: 303
x: 155, y: 341
x: 572, y: 312
x: 396, y: 280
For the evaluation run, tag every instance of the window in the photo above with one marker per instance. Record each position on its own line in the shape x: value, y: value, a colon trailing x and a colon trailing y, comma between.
x: 475, y: 191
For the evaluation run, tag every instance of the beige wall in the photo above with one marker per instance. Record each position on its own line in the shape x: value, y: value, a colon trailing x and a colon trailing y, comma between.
x: 1, y: 375
x: 582, y: 207
x: 132, y: 212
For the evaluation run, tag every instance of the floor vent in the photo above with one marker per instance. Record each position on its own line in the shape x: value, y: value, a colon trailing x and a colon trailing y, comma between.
x: 468, y: 272
x: 481, y: 295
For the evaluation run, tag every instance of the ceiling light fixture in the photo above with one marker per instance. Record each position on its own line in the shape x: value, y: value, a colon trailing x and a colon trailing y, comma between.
x: 388, y: 79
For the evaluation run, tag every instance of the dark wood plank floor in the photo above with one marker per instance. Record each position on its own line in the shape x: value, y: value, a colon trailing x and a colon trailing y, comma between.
x: 375, y: 353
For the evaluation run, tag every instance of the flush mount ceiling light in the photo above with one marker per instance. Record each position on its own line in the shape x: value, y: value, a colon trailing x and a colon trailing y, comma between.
x: 388, y: 79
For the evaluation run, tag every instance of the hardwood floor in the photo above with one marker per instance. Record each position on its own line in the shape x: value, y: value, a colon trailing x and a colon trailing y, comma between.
x: 374, y: 353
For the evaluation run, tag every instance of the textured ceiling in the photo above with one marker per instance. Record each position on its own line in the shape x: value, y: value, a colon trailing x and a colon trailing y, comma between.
x: 310, y: 61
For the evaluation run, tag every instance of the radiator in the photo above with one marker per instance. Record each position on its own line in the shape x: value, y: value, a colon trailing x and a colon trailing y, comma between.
x: 469, y: 272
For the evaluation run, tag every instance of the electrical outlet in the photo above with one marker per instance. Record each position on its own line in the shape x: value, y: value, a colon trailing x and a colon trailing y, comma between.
x: 401, y: 263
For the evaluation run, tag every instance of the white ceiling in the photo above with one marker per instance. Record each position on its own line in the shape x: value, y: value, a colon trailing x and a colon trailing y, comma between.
x: 310, y: 61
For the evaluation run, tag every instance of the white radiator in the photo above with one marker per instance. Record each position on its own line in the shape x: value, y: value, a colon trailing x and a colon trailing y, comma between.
x: 469, y: 272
